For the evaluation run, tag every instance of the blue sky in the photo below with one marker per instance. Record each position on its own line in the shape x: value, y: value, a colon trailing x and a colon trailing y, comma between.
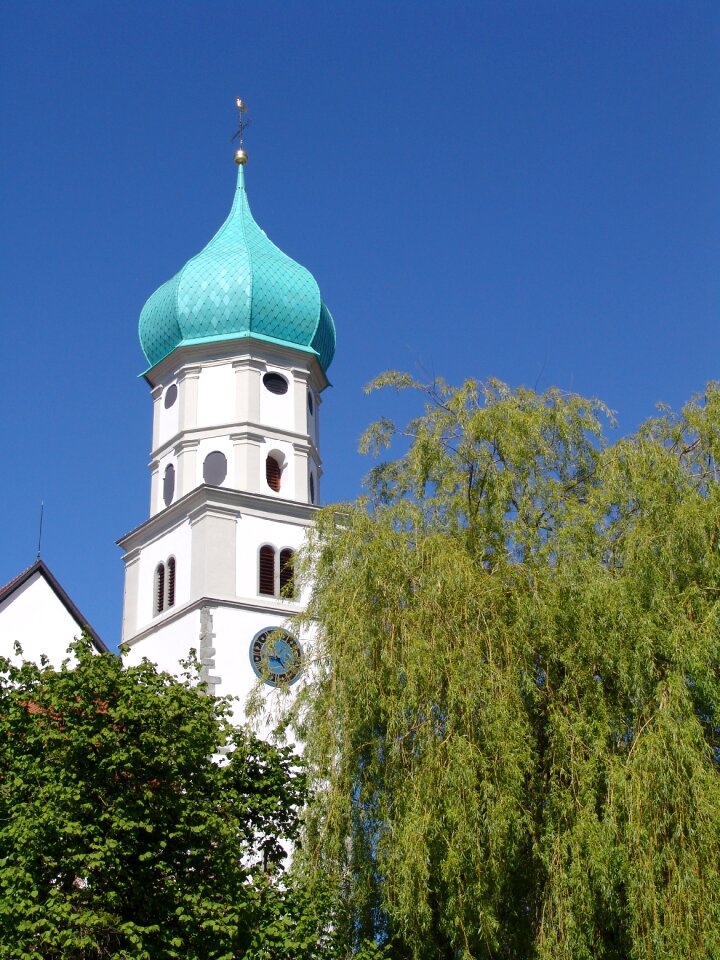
x: 526, y: 190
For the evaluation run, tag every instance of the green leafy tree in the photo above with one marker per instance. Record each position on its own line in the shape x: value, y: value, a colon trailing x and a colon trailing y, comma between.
x: 137, y: 823
x: 512, y: 728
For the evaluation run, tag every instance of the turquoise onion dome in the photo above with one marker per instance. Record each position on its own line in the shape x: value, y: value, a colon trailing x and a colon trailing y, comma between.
x: 239, y: 285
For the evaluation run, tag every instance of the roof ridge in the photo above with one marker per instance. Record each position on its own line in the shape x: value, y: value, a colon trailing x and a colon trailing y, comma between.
x: 42, y: 568
x: 18, y: 577
x: 245, y: 206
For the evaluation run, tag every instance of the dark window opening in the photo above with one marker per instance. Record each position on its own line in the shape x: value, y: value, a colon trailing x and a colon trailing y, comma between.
x: 311, y: 405
x: 171, y: 395
x: 215, y: 468
x: 169, y: 484
x: 312, y: 489
x: 267, y: 571
x: 275, y: 383
x: 287, y: 571
x: 160, y: 588
x: 273, y: 474
x: 171, y: 582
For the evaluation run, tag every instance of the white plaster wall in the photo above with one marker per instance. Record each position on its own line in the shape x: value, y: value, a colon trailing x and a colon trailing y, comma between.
x: 278, y: 410
x: 253, y: 532
x: 175, y: 543
x: 234, y: 631
x: 169, y: 644
x: 287, y: 479
x: 35, y: 617
x: 168, y: 425
x: 216, y: 395
x: 224, y: 445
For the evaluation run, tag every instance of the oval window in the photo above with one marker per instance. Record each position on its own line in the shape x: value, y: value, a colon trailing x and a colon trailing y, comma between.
x: 275, y: 383
x: 169, y: 484
x: 215, y: 468
x: 311, y: 405
x: 171, y: 395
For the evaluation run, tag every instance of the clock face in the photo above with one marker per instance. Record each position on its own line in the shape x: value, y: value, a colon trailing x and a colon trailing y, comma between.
x: 276, y: 656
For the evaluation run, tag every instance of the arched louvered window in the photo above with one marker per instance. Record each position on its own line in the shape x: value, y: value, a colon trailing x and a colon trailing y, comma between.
x: 266, y: 574
x: 159, y: 588
x: 171, y: 582
x: 273, y: 473
x: 287, y: 580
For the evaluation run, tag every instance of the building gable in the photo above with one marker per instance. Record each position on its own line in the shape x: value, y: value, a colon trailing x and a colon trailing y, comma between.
x: 38, y: 614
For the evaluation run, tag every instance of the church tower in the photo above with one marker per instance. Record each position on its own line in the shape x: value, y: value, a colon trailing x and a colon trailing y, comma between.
x: 238, y: 343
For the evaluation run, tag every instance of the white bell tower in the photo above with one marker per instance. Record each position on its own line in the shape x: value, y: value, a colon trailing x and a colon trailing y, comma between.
x: 238, y: 343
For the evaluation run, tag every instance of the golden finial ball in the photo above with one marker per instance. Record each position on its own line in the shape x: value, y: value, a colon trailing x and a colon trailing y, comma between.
x: 240, y: 156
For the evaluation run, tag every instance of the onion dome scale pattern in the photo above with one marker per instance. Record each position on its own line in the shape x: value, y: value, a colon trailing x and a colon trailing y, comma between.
x: 239, y: 285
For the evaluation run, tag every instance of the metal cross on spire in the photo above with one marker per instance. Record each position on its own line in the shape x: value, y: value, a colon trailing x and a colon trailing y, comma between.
x: 243, y: 124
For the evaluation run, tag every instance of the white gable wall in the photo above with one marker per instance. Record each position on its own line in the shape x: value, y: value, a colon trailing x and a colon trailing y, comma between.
x: 34, y: 616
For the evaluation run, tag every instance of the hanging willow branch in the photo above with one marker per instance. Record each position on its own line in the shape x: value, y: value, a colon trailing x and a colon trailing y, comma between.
x: 513, y: 722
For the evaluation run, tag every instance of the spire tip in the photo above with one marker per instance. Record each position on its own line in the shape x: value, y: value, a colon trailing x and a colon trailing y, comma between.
x: 241, y: 156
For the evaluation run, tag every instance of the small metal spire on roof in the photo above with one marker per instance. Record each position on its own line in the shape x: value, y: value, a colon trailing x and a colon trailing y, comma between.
x: 42, y: 511
x: 240, y: 156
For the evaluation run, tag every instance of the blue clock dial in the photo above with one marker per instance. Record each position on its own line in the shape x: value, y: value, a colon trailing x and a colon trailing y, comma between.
x: 276, y: 656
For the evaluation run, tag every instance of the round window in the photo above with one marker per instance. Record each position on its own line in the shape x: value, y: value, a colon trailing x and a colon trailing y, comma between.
x: 275, y: 383
x: 311, y: 405
x: 276, y: 656
x: 215, y: 468
x: 171, y: 395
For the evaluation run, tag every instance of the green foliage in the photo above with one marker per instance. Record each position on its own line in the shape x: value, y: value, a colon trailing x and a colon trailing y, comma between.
x: 123, y: 837
x: 512, y: 728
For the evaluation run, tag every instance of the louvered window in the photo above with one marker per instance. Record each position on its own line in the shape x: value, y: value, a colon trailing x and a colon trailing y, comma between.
x: 171, y: 582
x: 275, y: 383
x: 287, y: 582
x: 273, y: 473
x: 160, y: 588
x: 266, y: 577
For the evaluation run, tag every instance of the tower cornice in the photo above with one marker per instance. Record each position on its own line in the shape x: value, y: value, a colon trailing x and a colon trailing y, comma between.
x: 287, y: 609
x: 244, y: 430
x: 220, y: 498
x: 243, y: 350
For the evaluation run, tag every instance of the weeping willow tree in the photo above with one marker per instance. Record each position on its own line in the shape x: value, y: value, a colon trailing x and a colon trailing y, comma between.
x: 512, y: 724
